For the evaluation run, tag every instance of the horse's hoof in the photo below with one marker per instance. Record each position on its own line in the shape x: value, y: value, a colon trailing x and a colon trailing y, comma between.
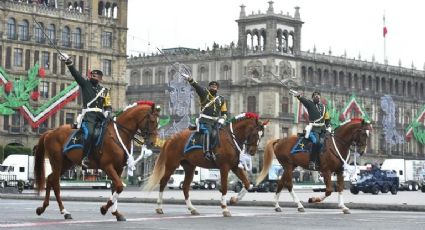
x: 310, y: 200
x: 119, y: 216
x: 67, y: 216
x: 194, y: 212
x: 233, y: 200
x: 301, y: 210
x: 159, y: 211
x: 103, y: 210
x: 278, y: 209
x: 346, y: 211
x: 226, y: 214
x: 39, y: 211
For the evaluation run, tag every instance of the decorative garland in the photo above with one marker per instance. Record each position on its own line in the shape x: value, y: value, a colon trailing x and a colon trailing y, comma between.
x: 244, y: 115
x: 16, y: 95
x: 416, y: 128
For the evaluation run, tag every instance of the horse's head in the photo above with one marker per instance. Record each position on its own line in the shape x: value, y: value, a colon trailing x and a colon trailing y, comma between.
x: 250, y: 131
x: 361, y: 135
x: 357, y: 132
x: 146, y: 116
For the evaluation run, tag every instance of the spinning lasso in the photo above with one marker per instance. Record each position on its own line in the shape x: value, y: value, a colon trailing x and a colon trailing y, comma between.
x: 287, y: 83
x: 179, y: 67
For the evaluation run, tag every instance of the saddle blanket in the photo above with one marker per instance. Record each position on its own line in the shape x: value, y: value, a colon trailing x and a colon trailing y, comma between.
x: 196, y: 141
x: 78, y: 136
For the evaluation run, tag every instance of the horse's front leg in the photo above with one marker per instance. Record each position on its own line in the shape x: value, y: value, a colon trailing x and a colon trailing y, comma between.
x: 340, y: 189
x: 329, y: 188
x: 189, y: 170
x: 224, y: 172
x: 113, y: 200
x: 240, y: 173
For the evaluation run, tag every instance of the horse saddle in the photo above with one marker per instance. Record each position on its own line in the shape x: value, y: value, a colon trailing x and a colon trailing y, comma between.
x: 303, y: 144
x: 197, y: 140
x: 79, y: 136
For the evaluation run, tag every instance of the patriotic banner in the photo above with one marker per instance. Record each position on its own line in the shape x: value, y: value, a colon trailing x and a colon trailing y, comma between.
x: 417, y: 128
x: 16, y: 96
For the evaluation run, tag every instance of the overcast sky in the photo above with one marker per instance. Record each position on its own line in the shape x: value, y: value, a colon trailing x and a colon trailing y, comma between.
x: 354, y: 26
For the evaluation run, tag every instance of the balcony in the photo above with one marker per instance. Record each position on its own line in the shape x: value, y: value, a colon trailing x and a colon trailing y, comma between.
x: 13, y: 36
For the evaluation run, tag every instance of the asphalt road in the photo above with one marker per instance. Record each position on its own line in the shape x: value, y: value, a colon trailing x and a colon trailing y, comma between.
x: 20, y: 214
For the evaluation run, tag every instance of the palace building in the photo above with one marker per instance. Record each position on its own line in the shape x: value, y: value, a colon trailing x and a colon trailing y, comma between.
x: 270, y: 42
x: 92, y: 32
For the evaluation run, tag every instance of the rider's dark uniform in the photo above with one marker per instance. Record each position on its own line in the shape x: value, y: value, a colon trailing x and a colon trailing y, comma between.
x: 96, y: 100
x: 213, y: 107
x: 319, y: 120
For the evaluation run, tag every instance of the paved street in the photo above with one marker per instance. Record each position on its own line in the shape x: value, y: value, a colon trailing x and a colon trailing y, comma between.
x: 20, y: 214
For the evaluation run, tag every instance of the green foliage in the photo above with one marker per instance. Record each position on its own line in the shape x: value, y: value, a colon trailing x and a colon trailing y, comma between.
x: 11, y: 149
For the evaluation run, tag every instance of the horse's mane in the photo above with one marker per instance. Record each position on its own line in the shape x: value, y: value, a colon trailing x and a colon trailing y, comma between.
x: 243, y: 116
x: 134, y: 104
x: 350, y: 121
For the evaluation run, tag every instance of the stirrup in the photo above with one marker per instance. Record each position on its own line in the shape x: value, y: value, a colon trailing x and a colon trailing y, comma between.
x: 312, y: 165
x: 210, y: 156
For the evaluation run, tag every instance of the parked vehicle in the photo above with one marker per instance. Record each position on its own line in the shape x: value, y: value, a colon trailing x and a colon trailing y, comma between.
x: 89, y: 178
x: 202, y: 179
x: 410, y: 172
x: 375, y: 181
x: 17, y: 168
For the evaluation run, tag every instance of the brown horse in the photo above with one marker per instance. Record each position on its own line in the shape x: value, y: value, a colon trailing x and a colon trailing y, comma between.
x: 332, y: 160
x: 140, y: 118
x: 243, y: 131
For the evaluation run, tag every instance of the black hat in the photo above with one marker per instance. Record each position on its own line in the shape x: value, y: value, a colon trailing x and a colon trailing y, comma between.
x: 98, y: 72
x: 315, y: 92
x: 213, y: 83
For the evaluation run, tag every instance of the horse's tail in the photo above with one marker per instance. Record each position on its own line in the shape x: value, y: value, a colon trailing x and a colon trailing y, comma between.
x: 267, y: 161
x: 158, y: 170
x: 38, y: 151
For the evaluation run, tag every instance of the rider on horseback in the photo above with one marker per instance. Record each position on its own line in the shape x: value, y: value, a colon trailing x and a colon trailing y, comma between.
x: 213, y: 111
x: 319, y: 124
x: 96, y: 104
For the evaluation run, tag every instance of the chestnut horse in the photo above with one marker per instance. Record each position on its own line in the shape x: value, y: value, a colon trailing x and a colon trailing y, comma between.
x: 140, y: 118
x: 354, y: 132
x: 242, y: 132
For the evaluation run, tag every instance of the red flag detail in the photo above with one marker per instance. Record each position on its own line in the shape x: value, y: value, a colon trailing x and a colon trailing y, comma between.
x: 385, y: 31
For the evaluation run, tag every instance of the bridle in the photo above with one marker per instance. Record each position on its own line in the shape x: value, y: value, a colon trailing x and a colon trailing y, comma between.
x: 246, y: 144
x: 144, y: 132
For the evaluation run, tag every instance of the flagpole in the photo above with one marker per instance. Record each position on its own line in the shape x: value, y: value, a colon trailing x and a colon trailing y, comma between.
x: 385, y: 40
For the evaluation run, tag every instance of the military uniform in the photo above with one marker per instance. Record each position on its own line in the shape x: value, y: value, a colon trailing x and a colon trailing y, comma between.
x: 319, y: 120
x: 96, y: 100
x: 213, y: 108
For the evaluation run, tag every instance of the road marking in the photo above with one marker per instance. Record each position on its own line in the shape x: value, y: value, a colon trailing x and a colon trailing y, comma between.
x: 69, y: 222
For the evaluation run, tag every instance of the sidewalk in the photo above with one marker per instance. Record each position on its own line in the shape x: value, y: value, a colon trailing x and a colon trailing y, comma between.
x: 403, y: 201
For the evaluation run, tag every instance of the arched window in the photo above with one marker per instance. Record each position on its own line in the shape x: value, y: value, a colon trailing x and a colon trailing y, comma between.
x: 51, y: 32
x: 114, y: 10
x: 310, y: 75
x: 364, y: 82
x: 409, y: 89
x: 23, y: 30
x: 377, y: 84
x: 66, y: 37
x: 341, y: 79
x: 356, y: 81
x: 161, y: 77
x: 226, y: 72
x: 77, y: 38
x: 303, y: 74
x: 135, y: 78
x: 326, y: 77
x: 319, y: 77
x: 396, y: 87
x: 147, y: 78
x: 334, y: 78
x: 11, y: 28
x: 203, y: 74
x: 38, y: 33
x: 391, y: 87
x: 383, y: 85
x: 107, y: 12
x: 285, y: 105
x: 252, y: 104
x: 350, y: 81
x: 100, y: 8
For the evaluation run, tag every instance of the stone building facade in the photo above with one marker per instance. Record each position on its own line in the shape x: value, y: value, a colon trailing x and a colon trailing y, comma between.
x: 93, y: 32
x: 271, y: 42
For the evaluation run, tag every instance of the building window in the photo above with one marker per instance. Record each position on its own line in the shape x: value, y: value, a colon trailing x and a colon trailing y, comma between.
x: 147, y: 78
x: 135, y: 78
x: 43, y: 127
x: 252, y: 105
x: 51, y: 32
x: 45, y: 59
x: 23, y: 31
x: 285, y: 105
x: 226, y: 72
x: 38, y: 33
x: 77, y: 39
x: 69, y: 119
x: 107, y: 67
x: 11, y: 28
x: 44, y: 89
x: 66, y: 37
x: 15, y: 127
x: 107, y: 39
x: 17, y: 57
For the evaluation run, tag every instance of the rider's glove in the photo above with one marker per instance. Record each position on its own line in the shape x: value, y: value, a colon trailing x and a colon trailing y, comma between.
x: 294, y: 93
x: 65, y: 58
x: 329, y: 129
x: 186, y: 76
x: 107, y: 114
x: 221, y: 121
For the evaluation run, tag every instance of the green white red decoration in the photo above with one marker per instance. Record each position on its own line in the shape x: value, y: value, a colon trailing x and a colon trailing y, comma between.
x: 417, y: 128
x: 16, y: 95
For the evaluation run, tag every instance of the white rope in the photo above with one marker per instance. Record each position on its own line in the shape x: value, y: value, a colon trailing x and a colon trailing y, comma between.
x: 131, y: 163
x: 245, y: 160
x: 348, y: 168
